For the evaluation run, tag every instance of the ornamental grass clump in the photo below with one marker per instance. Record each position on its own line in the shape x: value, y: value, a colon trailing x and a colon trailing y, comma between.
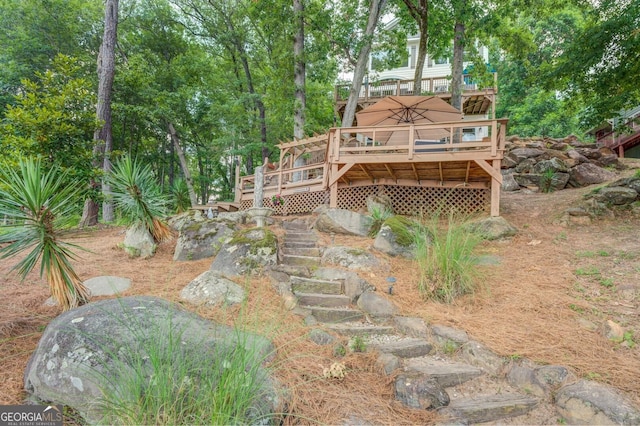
x: 139, y: 197
x: 39, y: 205
x: 444, y: 253
x: 181, y: 378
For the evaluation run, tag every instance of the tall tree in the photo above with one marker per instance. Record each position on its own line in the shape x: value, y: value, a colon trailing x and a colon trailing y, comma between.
x: 375, y: 10
x: 103, y: 136
x: 419, y: 11
x: 299, y: 70
x: 106, y: 73
x: 601, y: 61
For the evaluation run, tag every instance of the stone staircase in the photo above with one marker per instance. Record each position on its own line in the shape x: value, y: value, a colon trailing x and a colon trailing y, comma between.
x: 429, y: 378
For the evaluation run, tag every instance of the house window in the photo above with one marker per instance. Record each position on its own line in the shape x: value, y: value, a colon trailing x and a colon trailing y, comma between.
x: 442, y: 61
x: 412, y: 56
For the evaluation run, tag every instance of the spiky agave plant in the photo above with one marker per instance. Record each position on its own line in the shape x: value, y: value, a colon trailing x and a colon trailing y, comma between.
x: 136, y: 192
x: 39, y: 204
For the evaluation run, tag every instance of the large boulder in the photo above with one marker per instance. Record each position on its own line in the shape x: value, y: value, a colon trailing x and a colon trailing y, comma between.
x: 247, y: 252
x: 397, y: 237
x: 616, y: 195
x: 493, y: 228
x: 376, y: 305
x: 588, y: 174
x: 592, y: 403
x: 341, y: 221
x: 523, y: 153
x: 509, y: 183
x: 211, y: 289
x: 631, y: 182
x: 351, y: 258
x: 138, y: 241
x: 202, y: 239
x: 179, y: 221
x: 104, y: 348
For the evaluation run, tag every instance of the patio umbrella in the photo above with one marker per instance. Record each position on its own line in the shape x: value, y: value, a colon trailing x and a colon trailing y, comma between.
x: 405, y: 110
x: 394, y: 110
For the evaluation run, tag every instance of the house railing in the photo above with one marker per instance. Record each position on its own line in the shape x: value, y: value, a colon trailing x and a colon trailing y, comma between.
x: 621, y: 135
x: 429, y: 86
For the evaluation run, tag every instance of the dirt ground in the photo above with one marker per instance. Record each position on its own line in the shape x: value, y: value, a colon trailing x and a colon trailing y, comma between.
x: 554, y: 286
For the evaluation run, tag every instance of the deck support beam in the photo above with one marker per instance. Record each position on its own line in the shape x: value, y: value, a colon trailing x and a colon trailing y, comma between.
x: 496, y: 183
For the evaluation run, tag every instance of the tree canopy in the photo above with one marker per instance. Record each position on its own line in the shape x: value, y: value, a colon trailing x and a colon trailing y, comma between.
x: 221, y: 74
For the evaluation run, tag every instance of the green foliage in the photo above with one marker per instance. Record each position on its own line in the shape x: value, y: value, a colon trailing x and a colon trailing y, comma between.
x: 180, y: 193
x: 38, y: 204
x: 547, y: 180
x: 358, y: 344
x: 138, y: 196
x: 405, y: 229
x: 176, y: 380
x: 379, y: 214
x: 595, y: 62
x: 53, y: 118
x: 339, y: 350
x: 530, y: 44
x: 444, y: 254
x: 33, y: 33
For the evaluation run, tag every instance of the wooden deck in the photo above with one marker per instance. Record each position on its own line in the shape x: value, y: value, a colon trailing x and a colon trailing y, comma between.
x: 418, y: 166
x: 476, y: 100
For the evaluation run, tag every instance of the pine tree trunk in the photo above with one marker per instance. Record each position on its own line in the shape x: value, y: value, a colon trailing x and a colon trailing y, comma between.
x: 375, y: 10
x: 299, y: 80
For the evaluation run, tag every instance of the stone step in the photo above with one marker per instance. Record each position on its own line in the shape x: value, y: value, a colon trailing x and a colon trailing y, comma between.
x: 299, y: 244
x: 312, y: 285
x: 332, y: 315
x: 361, y: 329
x: 293, y: 259
x: 404, y: 348
x: 302, y: 251
x: 324, y: 300
x: 447, y: 374
x: 488, y: 408
x: 300, y: 236
x: 295, y: 225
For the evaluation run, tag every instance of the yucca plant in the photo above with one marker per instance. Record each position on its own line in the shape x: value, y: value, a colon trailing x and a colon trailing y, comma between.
x: 180, y: 193
x: 139, y: 197
x: 39, y: 204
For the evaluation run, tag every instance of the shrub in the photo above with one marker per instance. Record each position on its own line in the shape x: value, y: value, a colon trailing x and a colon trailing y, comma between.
x: 180, y: 193
x: 547, y: 180
x: 447, y: 265
x: 139, y: 197
x: 39, y: 205
x: 379, y: 214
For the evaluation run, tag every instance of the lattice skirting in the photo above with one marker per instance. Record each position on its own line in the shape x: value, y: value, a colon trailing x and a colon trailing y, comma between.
x: 413, y: 200
x: 299, y: 203
x: 407, y: 200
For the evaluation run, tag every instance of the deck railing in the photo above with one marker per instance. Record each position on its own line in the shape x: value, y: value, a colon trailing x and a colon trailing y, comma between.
x: 438, y: 142
x: 284, y: 182
x: 417, y: 142
x: 431, y: 85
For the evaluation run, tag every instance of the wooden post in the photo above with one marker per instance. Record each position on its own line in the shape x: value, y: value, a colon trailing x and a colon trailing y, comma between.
x: 496, y: 186
x: 333, y: 189
x: 238, y: 196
